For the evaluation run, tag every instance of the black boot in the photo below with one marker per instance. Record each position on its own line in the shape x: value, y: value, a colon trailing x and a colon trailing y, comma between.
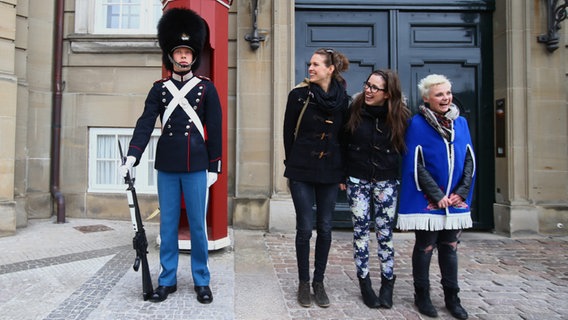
x: 369, y: 296
x: 453, y: 303
x: 423, y: 302
x: 319, y: 294
x: 385, y: 293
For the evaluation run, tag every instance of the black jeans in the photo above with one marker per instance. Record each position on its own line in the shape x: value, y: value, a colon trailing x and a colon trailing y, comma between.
x: 304, y: 195
x: 446, y: 242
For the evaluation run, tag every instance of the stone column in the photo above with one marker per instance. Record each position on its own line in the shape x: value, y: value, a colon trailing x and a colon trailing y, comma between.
x: 36, y: 138
x: 8, y: 111
x: 512, y: 210
x: 254, y: 117
x: 531, y: 179
x: 282, y: 214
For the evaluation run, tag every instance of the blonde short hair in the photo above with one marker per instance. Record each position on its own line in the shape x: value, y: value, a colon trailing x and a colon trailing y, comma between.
x: 431, y: 80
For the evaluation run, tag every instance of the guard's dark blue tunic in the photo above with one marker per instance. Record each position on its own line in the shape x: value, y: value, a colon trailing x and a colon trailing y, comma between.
x: 181, y: 148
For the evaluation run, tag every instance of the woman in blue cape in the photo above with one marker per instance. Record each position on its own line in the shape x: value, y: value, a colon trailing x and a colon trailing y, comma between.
x: 437, y: 184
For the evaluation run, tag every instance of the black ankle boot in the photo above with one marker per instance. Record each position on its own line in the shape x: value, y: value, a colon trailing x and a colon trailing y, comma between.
x: 423, y: 302
x: 385, y: 293
x: 304, y: 294
x: 453, y: 303
x: 319, y: 294
x: 369, y: 296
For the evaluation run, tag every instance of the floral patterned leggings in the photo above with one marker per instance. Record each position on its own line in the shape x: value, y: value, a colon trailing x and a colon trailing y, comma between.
x: 380, y: 197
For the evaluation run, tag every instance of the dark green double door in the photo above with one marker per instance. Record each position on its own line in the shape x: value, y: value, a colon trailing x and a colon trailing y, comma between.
x: 415, y: 41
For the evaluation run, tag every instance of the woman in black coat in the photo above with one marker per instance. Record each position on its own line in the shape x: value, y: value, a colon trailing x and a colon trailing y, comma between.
x: 313, y: 124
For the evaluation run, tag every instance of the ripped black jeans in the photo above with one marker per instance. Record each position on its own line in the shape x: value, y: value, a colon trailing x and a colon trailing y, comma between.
x: 446, y: 241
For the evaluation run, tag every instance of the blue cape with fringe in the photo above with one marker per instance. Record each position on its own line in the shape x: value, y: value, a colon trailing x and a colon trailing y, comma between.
x: 444, y: 161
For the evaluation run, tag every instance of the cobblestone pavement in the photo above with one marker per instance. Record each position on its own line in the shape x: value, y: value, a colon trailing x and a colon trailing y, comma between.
x: 82, y: 269
x: 500, y: 278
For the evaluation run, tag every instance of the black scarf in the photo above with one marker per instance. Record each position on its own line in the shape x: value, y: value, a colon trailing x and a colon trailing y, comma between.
x: 335, y: 98
x: 377, y: 111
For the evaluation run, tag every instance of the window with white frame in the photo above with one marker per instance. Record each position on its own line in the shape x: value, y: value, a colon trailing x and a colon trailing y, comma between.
x: 124, y: 16
x: 104, y: 160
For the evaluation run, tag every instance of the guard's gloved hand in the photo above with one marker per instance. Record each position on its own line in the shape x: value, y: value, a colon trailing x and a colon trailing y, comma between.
x: 211, y: 178
x: 127, y: 166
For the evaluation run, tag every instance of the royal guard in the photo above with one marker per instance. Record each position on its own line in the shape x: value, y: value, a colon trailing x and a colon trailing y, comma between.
x: 188, y: 154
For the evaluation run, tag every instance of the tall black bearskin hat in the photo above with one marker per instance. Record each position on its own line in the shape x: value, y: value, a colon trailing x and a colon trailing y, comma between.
x: 181, y: 28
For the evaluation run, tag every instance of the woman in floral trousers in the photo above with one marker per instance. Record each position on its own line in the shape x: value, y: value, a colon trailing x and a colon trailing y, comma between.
x: 376, y: 127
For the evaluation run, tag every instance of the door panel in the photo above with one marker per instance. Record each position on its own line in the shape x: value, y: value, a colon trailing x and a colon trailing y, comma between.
x: 445, y: 43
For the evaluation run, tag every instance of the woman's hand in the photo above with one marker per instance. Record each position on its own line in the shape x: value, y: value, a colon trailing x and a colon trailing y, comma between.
x: 444, y: 202
x: 456, y: 199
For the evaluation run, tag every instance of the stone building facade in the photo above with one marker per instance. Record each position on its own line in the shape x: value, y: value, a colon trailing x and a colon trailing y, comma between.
x: 105, y: 79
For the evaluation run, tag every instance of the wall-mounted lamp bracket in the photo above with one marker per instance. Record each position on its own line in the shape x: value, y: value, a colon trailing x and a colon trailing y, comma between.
x: 254, y: 38
x: 555, y: 13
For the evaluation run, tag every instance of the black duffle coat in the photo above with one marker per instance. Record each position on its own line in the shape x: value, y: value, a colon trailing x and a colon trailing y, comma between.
x: 317, y: 153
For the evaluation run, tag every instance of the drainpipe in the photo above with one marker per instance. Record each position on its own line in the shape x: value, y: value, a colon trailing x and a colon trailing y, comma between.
x: 56, y: 111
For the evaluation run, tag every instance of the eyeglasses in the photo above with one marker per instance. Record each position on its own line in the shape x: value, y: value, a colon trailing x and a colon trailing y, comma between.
x: 373, y: 88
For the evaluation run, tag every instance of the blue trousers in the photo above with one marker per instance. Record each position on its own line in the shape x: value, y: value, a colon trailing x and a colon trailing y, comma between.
x: 194, y: 188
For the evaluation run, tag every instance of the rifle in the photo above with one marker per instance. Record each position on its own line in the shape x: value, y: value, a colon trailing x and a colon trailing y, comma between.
x: 140, y: 242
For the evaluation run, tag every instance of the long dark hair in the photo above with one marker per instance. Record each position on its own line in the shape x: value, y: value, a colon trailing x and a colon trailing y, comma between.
x: 398, y: 113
